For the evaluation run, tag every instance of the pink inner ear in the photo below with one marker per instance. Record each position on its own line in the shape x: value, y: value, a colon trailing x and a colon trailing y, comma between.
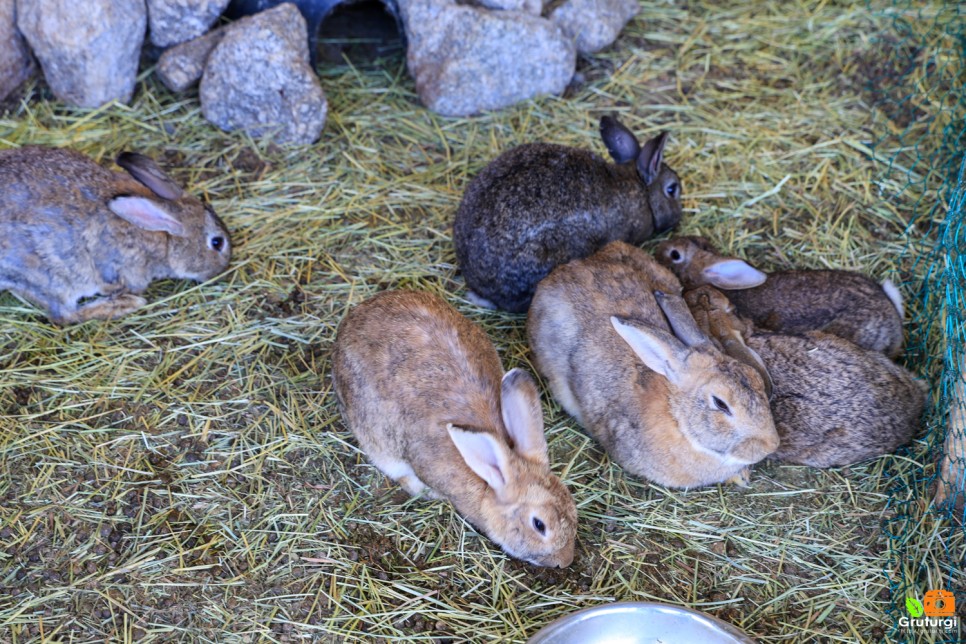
x: 734, y: 274
x: 481, y: 453
x: 146, y: 214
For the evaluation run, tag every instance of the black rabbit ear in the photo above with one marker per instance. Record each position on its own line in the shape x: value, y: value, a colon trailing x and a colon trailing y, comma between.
x: 147, y: 172
x: 650, y: 158
x: 620, y: 142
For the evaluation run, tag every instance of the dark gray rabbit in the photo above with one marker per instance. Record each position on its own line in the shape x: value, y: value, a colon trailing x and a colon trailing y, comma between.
x: 82, y: 241
x: 539, y: 205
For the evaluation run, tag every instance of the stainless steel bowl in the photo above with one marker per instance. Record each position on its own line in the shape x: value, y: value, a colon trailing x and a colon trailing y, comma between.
x: 639, y: 623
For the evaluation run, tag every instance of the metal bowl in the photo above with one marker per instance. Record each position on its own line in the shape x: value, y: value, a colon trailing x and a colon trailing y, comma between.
x: 639, y: 623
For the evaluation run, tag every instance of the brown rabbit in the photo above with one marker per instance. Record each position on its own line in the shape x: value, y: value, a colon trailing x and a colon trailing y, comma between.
x: 422, y: 389
x: 73, y: 231
x: 848, y: 304
x: 834, y: 403
x: 673, y: 410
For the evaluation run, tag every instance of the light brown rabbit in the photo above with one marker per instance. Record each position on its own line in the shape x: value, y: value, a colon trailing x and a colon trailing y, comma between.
x: 848, y: 304
x: 680, y: 414
x: 422, y: 389
x: 71, y: 230
x: 834, y: 403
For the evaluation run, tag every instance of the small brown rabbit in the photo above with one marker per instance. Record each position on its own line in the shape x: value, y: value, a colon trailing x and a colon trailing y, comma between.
x: 834, y: 403
x: 422, y: 389
x: 539, y: 205
x: 846, y: 303
x: 673, y: 410
x: 75, y: 231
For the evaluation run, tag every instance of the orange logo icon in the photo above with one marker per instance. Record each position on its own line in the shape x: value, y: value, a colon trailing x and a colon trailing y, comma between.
x: 939, y: 603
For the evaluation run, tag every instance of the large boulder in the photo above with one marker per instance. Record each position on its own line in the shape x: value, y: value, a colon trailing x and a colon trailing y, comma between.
x: 176, y: 21
x: 16, y: 63
x: 258, y: 79
x: 467, y: 60
x: 594, y: 24
x: 89, y: 51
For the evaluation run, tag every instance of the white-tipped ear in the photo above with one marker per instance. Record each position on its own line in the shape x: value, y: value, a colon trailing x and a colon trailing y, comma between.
x: 660, y: 351
x: 484, y: 455
x: 146, y: 214
x: 733, y: 274
x: 522, y: 415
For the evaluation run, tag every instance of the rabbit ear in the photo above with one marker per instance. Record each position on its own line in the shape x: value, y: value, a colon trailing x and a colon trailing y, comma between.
x: 682, y: 322
x: 146, y: 214
x: 486, y: 456
x: 650, y: 158
x: 660, y: 352
x: 620, y: 142
x: 522, y: 415
x: 146, y: 171
x: 733, y: 274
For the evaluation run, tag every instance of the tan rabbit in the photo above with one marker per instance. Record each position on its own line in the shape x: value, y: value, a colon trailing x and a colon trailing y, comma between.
x: 834, y: 403
x: 848, y: 304
x: 73, y: 231
x: 679, y: 413
x: 422, y: 389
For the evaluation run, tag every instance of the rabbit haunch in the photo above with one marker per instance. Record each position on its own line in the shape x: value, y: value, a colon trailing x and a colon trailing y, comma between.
x: 539, y: 205
x: 73, y: 231
x: 433, y: 409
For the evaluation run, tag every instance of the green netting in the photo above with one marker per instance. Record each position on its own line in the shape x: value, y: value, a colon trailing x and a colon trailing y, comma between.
x: 921, y: 124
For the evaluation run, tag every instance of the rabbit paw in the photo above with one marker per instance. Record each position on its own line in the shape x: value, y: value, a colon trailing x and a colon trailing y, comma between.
x: 109, y: 308
x: 742, y: 478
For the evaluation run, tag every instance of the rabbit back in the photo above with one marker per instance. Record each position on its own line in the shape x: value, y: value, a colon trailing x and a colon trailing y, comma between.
x: 539, y: 205
x: 845, y: 303
x: 835, y: 403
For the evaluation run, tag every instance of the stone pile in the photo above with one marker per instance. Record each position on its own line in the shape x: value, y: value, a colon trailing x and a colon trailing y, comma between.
x: 255, y: 73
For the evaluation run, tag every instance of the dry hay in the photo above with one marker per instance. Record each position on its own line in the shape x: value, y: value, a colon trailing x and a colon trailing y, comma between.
x: 183, y: 473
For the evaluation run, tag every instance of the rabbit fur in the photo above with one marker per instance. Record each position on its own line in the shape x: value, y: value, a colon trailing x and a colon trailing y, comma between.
x: 432, y: 409
x: 845, y: 303
x: 539, y: 205
x: 81, y: 241
x: 834, y: 403
x: 680, y: 414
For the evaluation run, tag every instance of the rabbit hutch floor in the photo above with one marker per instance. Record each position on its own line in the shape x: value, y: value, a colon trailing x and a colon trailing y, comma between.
x: 183, y: 473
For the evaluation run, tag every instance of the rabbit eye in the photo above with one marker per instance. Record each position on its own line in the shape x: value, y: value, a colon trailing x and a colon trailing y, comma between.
x: 671, y: 189
x: 539, y: 526
x: 675, y: 255
x: 721, y: 405
x: 217, y: 243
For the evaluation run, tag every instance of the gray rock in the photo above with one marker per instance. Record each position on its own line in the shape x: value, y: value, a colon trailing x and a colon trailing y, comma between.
x: 16, y: 63
x: 533, y: 7
x: 89, y: 51
x: 173, y: 22
x: 594, y: 24
x: 259, y: 79
x: 181, y: 66
x: 467, y: 60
